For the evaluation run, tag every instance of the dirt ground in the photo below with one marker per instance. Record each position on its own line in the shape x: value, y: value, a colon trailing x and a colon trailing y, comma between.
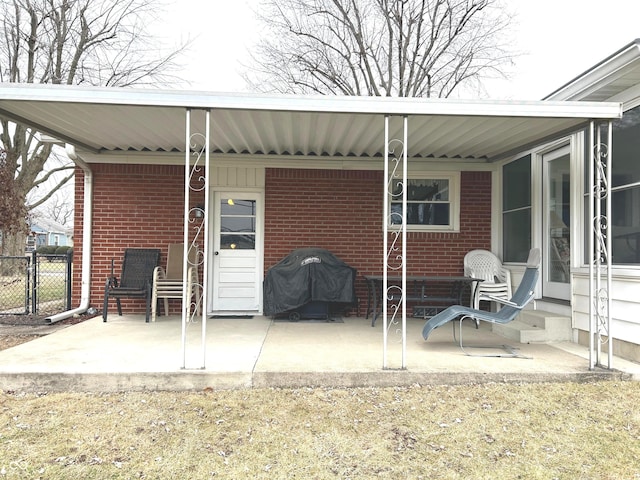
x: 562, y: 431
x: 18, y: 329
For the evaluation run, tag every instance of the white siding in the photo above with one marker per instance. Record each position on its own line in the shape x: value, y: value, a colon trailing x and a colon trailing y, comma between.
x: 625, y: 309
x: 238, y: 177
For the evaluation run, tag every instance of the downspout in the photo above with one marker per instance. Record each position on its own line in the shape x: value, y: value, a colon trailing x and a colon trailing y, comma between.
x: 86, y: 238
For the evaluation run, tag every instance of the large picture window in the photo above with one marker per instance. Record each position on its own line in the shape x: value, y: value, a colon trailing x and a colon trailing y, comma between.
x: 433, y: 203
x: 625, y: 190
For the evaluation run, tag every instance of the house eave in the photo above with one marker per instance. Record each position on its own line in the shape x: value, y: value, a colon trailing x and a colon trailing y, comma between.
x: 104, y: 120
x: 606, y: 79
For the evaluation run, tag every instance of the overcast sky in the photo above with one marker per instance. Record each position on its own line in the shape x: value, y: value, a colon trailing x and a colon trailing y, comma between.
x: 560, y: 40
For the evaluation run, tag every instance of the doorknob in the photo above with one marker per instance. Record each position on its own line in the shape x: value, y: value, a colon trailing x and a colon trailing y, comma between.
x: 216, y: 252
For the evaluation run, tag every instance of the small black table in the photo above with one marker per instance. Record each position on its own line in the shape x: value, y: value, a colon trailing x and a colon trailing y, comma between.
x: 418, y: 292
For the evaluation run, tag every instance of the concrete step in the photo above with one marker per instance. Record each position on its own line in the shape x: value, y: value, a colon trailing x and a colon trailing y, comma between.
x: 557, y: 327
x: 537, y: 326
x: 520, y: 332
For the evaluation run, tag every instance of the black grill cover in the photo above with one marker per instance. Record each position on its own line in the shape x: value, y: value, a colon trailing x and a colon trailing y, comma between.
x: 306, y: 275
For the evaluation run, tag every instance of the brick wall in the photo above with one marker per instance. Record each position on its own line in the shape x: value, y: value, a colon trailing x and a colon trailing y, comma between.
x: 342, y: 212
x: 142, y: 206
x: 138, y: 206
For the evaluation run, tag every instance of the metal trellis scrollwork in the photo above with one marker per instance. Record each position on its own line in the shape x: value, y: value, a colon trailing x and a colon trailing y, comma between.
x: 394, y: 310
x: 196, y: 227
x: 600, y: 243
x: 195, y: 221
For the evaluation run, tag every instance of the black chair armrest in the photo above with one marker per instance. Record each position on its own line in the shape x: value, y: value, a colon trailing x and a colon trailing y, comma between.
x: 112, y: 280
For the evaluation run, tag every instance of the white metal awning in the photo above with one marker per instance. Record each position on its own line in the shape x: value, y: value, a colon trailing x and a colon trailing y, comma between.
x: 606, y: 80
x: 104, y: 120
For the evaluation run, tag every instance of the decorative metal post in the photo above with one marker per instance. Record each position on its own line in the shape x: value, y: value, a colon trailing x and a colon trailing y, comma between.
x: 600, y: 158
x: 196, y: 228
x: 394, y: 307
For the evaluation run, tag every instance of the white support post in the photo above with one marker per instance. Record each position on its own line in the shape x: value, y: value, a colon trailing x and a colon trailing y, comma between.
x: 600, y: 278
x: 187, y: 176
x: 196, y: 228
x: 207, y: 203
x: 395, y: 252
x: 405, y: 127
x: 385, y: 243
x: 609, y: 243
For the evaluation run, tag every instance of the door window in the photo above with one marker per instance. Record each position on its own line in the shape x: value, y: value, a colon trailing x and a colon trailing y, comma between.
x: 237, y: 224
x: 558, y: 211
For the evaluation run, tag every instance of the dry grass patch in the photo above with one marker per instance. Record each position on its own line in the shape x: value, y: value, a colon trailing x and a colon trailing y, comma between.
x: 8, y: 341
x: 477, y: 431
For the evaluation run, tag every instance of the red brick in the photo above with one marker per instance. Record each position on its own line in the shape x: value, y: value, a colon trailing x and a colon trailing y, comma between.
x: 142, y: 206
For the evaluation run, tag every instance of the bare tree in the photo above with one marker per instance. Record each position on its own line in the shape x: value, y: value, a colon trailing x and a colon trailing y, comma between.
x: 70, y: 42
x: 59, y: 208
x: 12, y: 208
x: 404, y: 48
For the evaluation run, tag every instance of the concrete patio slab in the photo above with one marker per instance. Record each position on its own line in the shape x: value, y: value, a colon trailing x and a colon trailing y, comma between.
x: 126, y: 353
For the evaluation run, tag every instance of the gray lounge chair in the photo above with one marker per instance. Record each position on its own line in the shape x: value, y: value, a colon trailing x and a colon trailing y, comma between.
x: 511, y: 308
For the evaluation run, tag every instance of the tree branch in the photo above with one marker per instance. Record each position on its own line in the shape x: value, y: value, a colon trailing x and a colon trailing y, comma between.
x: 381, y: 47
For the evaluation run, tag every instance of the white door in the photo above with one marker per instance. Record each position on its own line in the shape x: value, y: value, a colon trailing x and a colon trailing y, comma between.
x: 237, y: 253
x: 556, y: 224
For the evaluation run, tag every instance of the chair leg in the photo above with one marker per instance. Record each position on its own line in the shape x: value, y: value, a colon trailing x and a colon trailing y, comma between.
x: 476, y: 304
x: 510, y: 352
x: 119, y: 305
x: 148, y: 301
x: 154, y: 307
x: 105, y: 305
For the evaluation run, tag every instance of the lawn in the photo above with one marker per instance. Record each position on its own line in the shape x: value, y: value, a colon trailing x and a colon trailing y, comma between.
x: 545, y: 431
x: 51, y: 286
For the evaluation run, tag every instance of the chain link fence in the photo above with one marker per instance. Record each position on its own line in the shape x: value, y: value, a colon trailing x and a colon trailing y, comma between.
x: 36, y: 284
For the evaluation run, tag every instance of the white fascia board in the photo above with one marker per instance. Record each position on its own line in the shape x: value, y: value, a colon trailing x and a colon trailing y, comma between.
x: 630, y: 97
x: 597, y: 76
x: 315, y: 104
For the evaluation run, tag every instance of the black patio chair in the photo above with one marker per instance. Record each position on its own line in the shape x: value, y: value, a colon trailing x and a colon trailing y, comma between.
x: 509, y: 311
x: 135, y: 280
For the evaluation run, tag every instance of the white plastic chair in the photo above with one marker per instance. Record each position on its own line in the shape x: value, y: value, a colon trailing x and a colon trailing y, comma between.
x: 510, y: 310
x: 168, y: 283
x: 496, y: 279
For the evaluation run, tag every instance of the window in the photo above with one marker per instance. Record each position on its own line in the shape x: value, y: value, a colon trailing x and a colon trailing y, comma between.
x: 516, y: 210
x: 433, y: 203
x: 237, y: 224
x: 625, y: 190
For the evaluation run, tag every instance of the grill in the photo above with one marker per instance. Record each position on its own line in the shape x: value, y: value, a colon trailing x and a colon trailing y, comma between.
x: 309, y: 283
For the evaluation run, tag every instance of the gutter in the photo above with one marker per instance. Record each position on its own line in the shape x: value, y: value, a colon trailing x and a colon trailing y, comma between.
x: 86, y: 239
x: 575, y: 89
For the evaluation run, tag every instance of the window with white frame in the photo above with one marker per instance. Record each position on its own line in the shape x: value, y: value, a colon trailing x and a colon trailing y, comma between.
x: 516, y: 209
x: 624, y: 223
x: 433, y: 202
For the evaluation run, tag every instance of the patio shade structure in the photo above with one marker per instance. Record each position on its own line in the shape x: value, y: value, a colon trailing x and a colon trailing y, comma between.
x: 152, y: 126
x: 109, y: 120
